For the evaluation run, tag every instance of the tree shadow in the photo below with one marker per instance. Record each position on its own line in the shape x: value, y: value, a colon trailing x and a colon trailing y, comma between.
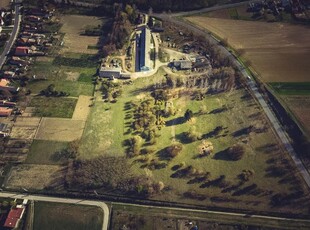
x: 218, y: 110
x: 176, y: 121
x: 241, y: 132
x: 222, y: 155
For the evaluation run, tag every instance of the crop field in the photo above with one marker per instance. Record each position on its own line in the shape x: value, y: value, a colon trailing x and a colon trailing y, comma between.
x: 291, y: 88
x: 300, y: 106
x: 73, y: 27
x: 276, y: 50
x: 30, y: 176
x: 235, y: 111
x: 50, y: 216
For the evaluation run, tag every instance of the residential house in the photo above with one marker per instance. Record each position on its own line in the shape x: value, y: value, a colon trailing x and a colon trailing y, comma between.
x: 18, y: 61
x: 9, y: 74
x: 22, y: 51
x: 8, y: 104
x: 4, y: 84
x: 5, y: 112
x: 14, y: 217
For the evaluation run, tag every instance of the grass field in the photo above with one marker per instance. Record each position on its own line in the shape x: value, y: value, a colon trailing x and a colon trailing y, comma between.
x: 291, y: 88
x: 53, y: 106
x: 43, y: 152
x: 50, y: 216
x: 234, y: 111
x: 275, y: 50
x: 38, y: 177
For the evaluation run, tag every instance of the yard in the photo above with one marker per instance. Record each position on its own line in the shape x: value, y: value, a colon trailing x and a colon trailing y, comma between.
x: 50, y: 216
x: 270, y: 169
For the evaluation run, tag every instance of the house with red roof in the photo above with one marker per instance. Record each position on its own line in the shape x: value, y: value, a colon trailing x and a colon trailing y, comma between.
x: 14, y: 217
x: 21, y: 51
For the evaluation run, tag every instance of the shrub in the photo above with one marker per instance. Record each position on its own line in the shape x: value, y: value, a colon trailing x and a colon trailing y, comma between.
x: 174, y: 149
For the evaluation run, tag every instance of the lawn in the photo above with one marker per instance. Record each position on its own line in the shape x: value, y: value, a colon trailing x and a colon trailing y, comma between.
x: 50, y: 216
x: 53, y: 106
x: 236, y: 111
x: 73, y: 88
x: 43, y: 152
x: 291, y: 88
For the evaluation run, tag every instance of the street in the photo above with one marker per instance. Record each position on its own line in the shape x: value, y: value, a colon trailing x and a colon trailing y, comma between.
x: 10, y: 42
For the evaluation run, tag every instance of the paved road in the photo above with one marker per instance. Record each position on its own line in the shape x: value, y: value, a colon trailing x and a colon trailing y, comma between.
x: 13, y: 36
x: 252, y: 85
x: 99, y: 204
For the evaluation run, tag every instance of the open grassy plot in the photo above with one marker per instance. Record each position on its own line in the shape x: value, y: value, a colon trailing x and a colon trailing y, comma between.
x: 73, y: 88
x: 50, y: 216
x: 38, y: 177
x: 192, y: 176
x: 73, y: 27
x: 58, y: 129
x: 275, y: 50
x: 44, y: 152
x: 291, y: 88
x: 53, y: 106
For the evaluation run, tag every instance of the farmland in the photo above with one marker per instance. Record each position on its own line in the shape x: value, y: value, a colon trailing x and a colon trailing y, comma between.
x: 275, y: 50
x: 4, y: 3
x: 66, y: 216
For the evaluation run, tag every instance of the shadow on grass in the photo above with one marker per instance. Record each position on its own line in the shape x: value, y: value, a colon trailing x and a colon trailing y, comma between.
x: 241, y: 132
x: 175, y: 121
x: 218, y: 110
x: 222, y: 155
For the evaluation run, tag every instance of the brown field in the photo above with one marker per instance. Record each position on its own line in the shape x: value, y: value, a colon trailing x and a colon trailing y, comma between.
x: 60, y: 129
x: 4, y: 3
x: 35, y: 176
x: 82, y: 108
x: 300, y: 106
x: 277, y: 51
x: 73, y: 26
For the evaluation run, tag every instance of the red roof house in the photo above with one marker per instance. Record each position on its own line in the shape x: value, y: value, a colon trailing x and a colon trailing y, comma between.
x: 14, y: 217
x: 21, y: 51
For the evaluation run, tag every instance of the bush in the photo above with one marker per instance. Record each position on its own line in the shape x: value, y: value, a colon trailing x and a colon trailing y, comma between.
x: 192, y: 135
x: 174, y: 149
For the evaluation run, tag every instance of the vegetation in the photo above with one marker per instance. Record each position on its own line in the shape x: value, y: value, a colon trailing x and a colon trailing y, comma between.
x: 66, y: 216
x: 291, y: 88
x: 53, y: 107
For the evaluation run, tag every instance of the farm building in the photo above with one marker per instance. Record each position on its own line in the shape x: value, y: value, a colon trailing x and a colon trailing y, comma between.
x: 143, y: 48
x: 110, y: 72
x: 182, y: 64
x: 14, y: 217
x: 22, y: 51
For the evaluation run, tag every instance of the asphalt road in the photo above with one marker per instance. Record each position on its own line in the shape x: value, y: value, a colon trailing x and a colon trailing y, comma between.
x: 13, y: 36
x: 99, y: 204
x: 251, y: 83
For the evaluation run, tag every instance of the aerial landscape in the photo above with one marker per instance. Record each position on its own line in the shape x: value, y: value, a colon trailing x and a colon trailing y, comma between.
x: 154, y: 114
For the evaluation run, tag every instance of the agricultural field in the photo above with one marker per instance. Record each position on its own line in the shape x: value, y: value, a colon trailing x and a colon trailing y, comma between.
x: 276, y: 51
x: 66, y: 216
x: 73, y: 27
x: 221, y: 120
